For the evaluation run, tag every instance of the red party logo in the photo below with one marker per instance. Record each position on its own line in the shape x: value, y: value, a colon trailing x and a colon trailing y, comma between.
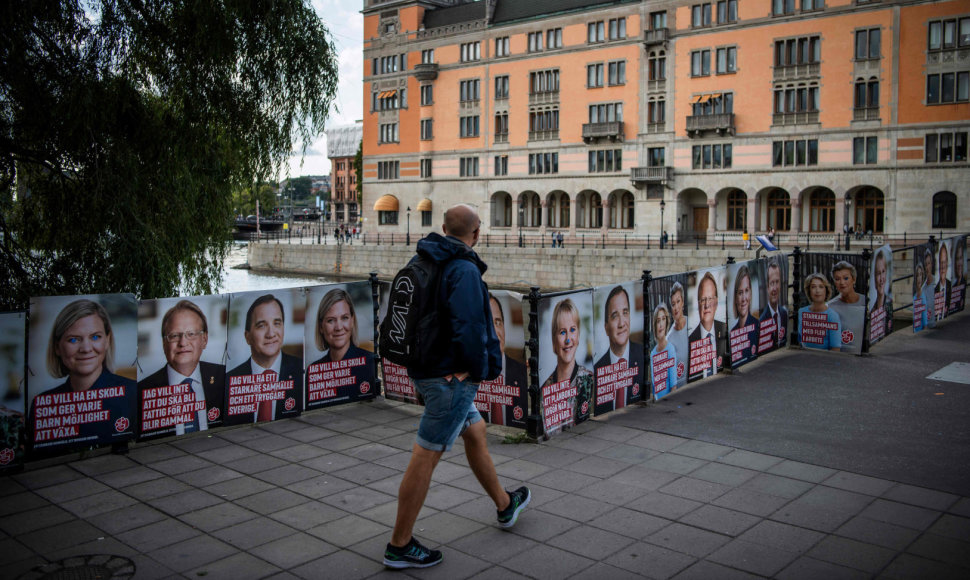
x: 121, y: 424
x: 636, y: 389
x: 719, y: 361
x: 585, y: 407
x: 517, y: 413
x: 364, y: 388
x: 680, y: 370
x: 6, y: 456
x: 290, y: 404
x: 213, y: 413
x: 847, y: 336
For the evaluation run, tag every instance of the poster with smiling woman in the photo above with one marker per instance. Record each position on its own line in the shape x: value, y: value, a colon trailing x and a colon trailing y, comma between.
x: 81, y: 357
x: 881, y: 294
x: 339, y: 339
x: 744, y: 307
x: 566, y: 360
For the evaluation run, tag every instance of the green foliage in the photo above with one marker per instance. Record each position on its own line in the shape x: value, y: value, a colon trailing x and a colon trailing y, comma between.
x: 127, y: 125
x: 301, y: 188
x: 244, y: 200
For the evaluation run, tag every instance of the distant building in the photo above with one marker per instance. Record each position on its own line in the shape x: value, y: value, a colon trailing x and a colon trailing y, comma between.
x: 586, y: 115
x: 342, y: 145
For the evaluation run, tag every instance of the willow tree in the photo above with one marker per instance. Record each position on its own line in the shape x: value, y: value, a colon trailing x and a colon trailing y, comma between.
x: 126, y: 125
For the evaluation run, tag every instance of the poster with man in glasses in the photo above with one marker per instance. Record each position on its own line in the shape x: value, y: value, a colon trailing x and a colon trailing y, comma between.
x: 178, y: 391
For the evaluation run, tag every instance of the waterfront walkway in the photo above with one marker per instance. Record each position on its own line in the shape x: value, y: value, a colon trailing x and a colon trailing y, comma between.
x: 314, y: 497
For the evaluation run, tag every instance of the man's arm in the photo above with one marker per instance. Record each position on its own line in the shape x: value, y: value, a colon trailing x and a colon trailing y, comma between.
x: 470, y: 331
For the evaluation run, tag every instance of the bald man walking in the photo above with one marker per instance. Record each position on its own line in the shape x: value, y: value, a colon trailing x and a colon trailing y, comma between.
x: 469, y: 353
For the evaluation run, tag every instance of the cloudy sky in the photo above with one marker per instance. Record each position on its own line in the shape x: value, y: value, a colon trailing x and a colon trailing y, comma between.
x: 346, y: 25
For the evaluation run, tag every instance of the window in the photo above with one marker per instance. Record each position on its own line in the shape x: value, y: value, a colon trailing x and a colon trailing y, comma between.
x: 427, y: 94
x: 797, y: 98
x: 700, y: 63
x: 426, y: 129
x: 388, y: 169
x: 425, y: 218
x: 501, y: 126
x: 606, y: 113
x: 658, y: 20
x: 501, y: 165
x: 716, y: 156
x: 656, y: 111
x: 425, y: 168
x: 502, y: 87
x: 779, y: 210
x: 469, y: 90
x: 948, y: 34
x: 387, y: 218
x: 617, y: 28
x: 715, y: 104
x: 617, y: 73
x: 605, y: 160
x: 870, y: 207
x: 468, y: 126
x: 540, y: 163
x: 727, y: 60
x: 554, y: 38
x: 468, y: 167
x: 794, y: 153
x: 727, y: 11
x: 655, y: 157
x: 782, y: 7
x: 547, y: 120
x: 810, y: 5
x: 595, y: 32
x: 700, y: 15
x: 864, y: 150
x: 946, y: 147
x: 389, y: 100
x: 535, y: 42
x: 944, y: 210
x: 796, y: 51
x: 471, y: 51
x: 544, y: 81
x: 594, y: 75
x: 427, y: 56
x: 822, y: 211
x: 657, y: 66
x: 388, y: 133
x: 866, y: 93
x: 737, y: 210
x: 953, y: 87
x: 867, y: 44
x: 502, y: 46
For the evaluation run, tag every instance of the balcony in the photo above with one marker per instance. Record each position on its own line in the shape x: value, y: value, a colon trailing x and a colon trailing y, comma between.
x: 612, y: 131
x: 802, y: 118
x: 426, y: 71
x: 651, y: 175
x: 654, y: 37
x: 545, y: 98
x: 797, y: 71
x: 865, y: 114
x: 720, y: 123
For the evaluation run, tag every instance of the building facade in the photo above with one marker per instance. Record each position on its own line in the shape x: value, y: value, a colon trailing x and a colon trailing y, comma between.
x: 696, y: 118
x: 342, y: 144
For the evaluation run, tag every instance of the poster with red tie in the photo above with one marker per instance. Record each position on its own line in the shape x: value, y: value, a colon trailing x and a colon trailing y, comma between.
x: 503, y: 401
x: 566, y: 359
x: 181, y: 359
x: 923, y: 283
x: 618, y: 345
x: 706, y: 314
x: 339, y: 339
x: 773, y: 295
x: 81, y: 355
x: 880, y: 294
x: 265, y: 347
x: 13, y: 436
x: 742, y: 282
x: 669, y: 350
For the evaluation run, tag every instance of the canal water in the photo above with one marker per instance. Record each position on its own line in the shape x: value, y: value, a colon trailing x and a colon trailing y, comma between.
x: 243, y: 280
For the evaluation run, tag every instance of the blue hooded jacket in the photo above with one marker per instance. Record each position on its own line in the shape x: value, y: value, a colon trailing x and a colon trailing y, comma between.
x: 467, y: 337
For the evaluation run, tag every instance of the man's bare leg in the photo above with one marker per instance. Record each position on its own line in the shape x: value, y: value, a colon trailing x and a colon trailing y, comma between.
x: 413, y: 490
x: 480, y: 461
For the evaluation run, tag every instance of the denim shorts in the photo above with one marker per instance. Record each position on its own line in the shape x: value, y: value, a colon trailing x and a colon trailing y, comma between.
x: 449, y: 408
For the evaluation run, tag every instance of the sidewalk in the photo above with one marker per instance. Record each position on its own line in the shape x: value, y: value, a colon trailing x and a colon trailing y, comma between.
x: 315, y: 498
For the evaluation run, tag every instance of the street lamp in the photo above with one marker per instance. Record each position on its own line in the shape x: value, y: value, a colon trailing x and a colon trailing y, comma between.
x: 408, y: 239
x: 521, y: 217
x: 662, y: 206
x: 848, y: 221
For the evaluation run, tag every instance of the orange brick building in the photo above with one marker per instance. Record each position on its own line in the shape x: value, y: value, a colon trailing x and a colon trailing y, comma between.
x: 587, y: 117
x: 342, y: 144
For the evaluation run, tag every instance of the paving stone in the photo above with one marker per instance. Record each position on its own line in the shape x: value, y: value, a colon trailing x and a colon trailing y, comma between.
x: 240, y: 433
x: 236, y: 567
x: 366, y: 473
x: 255, y: 464
x: 657, y: 441
x: 628, y: 453
x: 754, y: 558
x: 309, y: 434
x: 812, y: 517
x: 228, y: 454
x: 643, y: 477
x: 557, y: 457
x: 267, y: 442
x: 688, y: 540
x: 522, y: 470
x: 124, y: 478
x: 45, y: 477
x: 156, y: 488
x: 590, y: 542
x: 750, y: 460
x: 581, y: 509
x: 723, y: 474
x: 286, y: 475
x: 392, y: 485
x: 443, y: 497
x: 598, y: 466
x: 293, y: 550
x: 181, y: 464
x: 952, y: 526
x: 878, y: 533
x: 208, y: 476
x: 386, y: 514
x: 349, y: 530
x: 547, y: 562
x: 705, y: 570
x: 540, y: 526
x: 782, y: 536
x: 299, y: 452
x: 901, y: 514
x: 663, y: 505
x: 331, y: 463
x: 320, y: 486
x: 271, y: 500
x: 192, y: 553
x: 20, y: 567
x: 776, y: 485
x: 378, y: 432
x: 103, y: 464
x: 806, y: 568
x: 674, y: 463
x: 279, y: 427
x: 236, y: 488
x: 720, y: 520
x: 493, y: 544
x: 750, y: 502
x: 153, y: 452
x: 219, y: 516
x: 695, y: 489
x: 910, y: 567
x: 40, y: 518
x: 941, y: 548
x: 702, y: 450
x: 580, y: 444
x: 852, y: 554
x: 961, y: 507
x: 64, y: 492
x: 493, y: 573
x: 920, y: 496
x: 630, y: 523
x: 21, y: 502
x: 649, y: 560
x: 98, y: 503
x: 9, y: 486
x: 611, y: 492
x: 400, y: 461
x: 308, y: 515
x: 198, y: 443
x: 447, y: 471
x: 372, y: 451
x: 357, y: 499
x: 341, y: 442
x: 99, y: 545
x: 445, y: 527
x: 13, y: 551
x: 563, y: 480
x: 801, y: 471
x: 351, y: 566
x: 157, y: 535
x: 859, y: 483
x: 615, y: 433
x: 251, y: 533
x: 456, y: 565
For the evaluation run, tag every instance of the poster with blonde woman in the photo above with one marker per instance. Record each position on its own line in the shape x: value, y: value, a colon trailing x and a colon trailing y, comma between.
x: 669, y: 352
x: 846, y: 284
x: 744, y: 306
x: 921, y: 281
x: 566, y: 360
x: 81, y: 380
x: 959, y: 279
x: 880, y: 294
x: 339, y: 344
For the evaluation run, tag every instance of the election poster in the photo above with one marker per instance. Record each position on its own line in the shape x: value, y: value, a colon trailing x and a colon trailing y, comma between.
x: 264, y: 377
x: 618, y: 345
x: 503, y: 401
x: 181, y: 360
x: 81, y: 357
x: 398, y: 386
x: 958, y: 280
x: 742, y: 281
x: 13, y: 436
x: 773, y: 318
x: 924, y: 280
x: 943, y: 290
x: 706, y: 317
x: 880, y: 294
x: 339, y: 339
x: 669, y: 350
x: 566, y: 360
x: 833, y: 313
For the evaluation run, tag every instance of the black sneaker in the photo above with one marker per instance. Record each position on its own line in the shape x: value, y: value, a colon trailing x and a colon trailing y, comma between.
x: 412, y: 555
x: 518, y: 499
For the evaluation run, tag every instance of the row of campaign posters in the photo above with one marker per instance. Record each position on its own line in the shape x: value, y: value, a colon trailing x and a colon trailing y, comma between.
x: 939, y: 281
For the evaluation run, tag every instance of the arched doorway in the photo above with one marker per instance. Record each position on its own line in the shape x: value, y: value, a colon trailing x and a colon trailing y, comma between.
x: 735, y: 209
x: 778, y: 210
x: 821, y: 210
x: 621, y: 210
x: 530, y: 210
x: 501, y: 210
x: 557, y: 204
x: 590, y: 209
x: 944, y: 209
x: 693, y: 215
x: 870, y: 210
